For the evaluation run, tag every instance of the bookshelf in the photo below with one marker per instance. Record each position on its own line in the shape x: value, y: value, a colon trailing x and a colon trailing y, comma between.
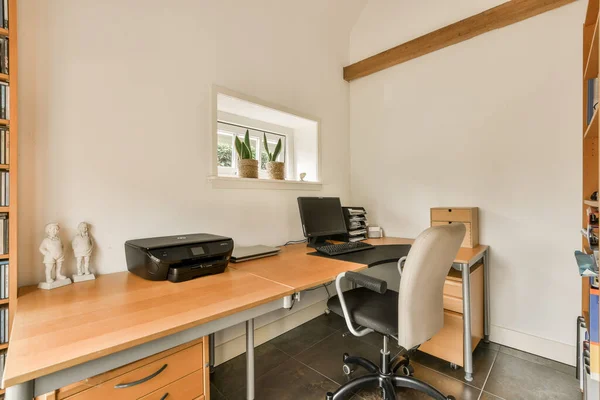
x: 591, y: 179
x: 591, y: 166
x: 11, y: 209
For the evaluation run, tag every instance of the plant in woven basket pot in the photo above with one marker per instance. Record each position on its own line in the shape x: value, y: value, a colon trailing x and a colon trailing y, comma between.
x: 247, y: 165
x: 275, y: 169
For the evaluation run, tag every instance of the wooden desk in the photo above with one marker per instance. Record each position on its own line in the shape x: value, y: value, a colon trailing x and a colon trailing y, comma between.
x: 76, y: 325
x: 68, y: 334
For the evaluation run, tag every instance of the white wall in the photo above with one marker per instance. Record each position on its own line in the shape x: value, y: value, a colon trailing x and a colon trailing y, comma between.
x: 494, y: 122
x: 115, y: 130
x: 115, y: 115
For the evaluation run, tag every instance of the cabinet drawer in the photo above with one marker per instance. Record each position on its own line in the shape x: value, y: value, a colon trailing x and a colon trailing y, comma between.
x: 453, y: 289
x: 452, y: 214
x: 189, y: 387
x: 148, y: 378
x: 452, y: 303
x: 468, y: 239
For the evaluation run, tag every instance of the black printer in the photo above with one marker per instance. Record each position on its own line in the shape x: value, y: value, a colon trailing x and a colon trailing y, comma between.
x: 178, y: 258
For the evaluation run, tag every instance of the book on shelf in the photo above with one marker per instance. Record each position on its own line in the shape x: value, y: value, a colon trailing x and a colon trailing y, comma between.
x: 5, y: 14
x: 4, y: 100
x: 4, y: 280
x: 4, y: 188
x: 4, y: 55
x: 3, y: 233
x: 592, y: 98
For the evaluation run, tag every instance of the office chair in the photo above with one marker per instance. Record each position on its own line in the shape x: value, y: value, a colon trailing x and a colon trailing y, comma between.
x: 412, y: 316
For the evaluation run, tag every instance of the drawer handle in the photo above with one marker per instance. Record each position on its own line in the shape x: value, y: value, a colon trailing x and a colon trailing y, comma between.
x: 164, y: 397
x: 128, y: 385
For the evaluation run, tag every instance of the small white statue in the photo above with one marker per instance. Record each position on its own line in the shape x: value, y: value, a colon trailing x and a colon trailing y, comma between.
x: 82, y: 248
x: 54, y: 257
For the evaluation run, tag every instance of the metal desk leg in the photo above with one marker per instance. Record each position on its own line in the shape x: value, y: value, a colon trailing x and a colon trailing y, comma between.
x: 467, y: 341
x: 486, y: 297
x: 23, y: 391
x: 250, y: 359
x: 211, y: 356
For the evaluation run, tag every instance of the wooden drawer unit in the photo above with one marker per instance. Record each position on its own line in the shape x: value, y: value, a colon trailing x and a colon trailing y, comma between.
x: 453, y: 288
x: 454, y: 304
x: 182, y: 372
x: 447, y: 344
x: 469, y: 216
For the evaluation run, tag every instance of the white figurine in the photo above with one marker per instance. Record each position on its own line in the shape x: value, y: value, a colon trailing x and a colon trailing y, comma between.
x: 54, y: 256
x: 302, y: 176
x: 82, y: 248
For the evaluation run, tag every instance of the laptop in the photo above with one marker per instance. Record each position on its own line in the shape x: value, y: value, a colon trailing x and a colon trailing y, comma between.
x: 241, y: 254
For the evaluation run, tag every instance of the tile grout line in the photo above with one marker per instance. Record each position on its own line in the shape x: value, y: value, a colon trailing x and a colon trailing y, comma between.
x: 312, y: 345
x: 488, y: 374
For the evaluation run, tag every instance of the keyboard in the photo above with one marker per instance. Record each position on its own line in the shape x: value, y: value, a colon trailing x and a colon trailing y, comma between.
x: 343, y: 248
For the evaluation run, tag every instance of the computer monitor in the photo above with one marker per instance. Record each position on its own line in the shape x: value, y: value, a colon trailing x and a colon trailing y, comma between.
x: 321, y: 217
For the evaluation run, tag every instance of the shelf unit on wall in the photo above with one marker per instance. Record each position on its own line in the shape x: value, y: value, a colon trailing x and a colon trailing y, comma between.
x: 591, y: 182
x: 591, y: 166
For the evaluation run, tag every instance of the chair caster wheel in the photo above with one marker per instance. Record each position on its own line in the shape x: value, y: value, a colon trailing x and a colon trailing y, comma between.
x: 327, y: 311
x: 451, y: 398
x: 407, y: 370
x: 454, y: 366
x: 347, y: 370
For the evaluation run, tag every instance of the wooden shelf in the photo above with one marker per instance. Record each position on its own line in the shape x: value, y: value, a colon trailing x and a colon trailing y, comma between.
x: 591, y: 203
x: 4, y: 301
x: 4, y: 77
x: 4, y: 122
x: 3, y: 346
x: 4, y: 257
x: 591, y: 65
x: 592, y: 129
x: 3, y: 32
x: 4, y: 209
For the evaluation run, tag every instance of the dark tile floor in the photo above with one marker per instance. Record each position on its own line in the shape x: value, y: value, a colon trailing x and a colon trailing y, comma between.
x: 305, y: 363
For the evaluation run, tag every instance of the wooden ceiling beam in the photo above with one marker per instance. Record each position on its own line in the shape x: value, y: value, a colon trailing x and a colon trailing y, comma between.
x: 498, y: 17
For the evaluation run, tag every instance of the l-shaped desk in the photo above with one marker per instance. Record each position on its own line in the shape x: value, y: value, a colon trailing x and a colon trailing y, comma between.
x: 63, y: 336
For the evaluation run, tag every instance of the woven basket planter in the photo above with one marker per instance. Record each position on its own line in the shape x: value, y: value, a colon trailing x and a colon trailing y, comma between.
x: 248, y: 168
x: 276, y: 170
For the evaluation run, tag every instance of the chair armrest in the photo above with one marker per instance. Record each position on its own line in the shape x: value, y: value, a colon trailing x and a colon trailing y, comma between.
x: 401, y: 265
x: 374, y: 284
x: 338, y: 288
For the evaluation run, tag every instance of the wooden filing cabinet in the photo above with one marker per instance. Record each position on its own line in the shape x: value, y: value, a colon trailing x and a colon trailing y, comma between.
x: 447, y: 344
x: 469, y: 216
x: 181, y: 373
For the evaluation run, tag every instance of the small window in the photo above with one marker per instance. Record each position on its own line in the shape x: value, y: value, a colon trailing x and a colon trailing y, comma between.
x: 298, y: 135
x: 227, y: 156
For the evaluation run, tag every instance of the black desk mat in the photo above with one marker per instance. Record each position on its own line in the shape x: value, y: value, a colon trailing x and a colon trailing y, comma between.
x: 383, y: 254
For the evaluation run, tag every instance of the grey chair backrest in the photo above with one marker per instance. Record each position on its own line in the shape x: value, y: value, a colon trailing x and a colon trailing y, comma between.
x: 421, y: 299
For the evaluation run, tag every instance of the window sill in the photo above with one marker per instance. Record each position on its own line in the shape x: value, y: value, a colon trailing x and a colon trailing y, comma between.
x: 233, y: 182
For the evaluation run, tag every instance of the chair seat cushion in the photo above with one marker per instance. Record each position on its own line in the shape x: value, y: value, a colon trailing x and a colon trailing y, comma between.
x: 369, y: 309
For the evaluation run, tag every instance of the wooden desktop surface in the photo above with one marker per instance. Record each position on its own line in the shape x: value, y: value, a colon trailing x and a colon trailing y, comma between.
x: 293, y: 267
x: 465, y: 254
x: 64, y: 327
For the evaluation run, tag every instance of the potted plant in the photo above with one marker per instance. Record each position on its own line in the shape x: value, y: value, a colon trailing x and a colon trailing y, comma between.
x: 247, y: 165
x: 275, y: 169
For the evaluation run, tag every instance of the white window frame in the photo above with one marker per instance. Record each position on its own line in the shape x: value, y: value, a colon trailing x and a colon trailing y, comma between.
x: 256, y: 135
x: 292, y: 181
